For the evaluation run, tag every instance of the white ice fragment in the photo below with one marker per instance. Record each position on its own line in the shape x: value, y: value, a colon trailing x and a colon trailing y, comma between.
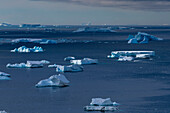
x: 20, y: 65
x: 54, y: 81
x: 125, y: 58
x: 34, y: 64
x: 132, y: 53
x: 24, y: 49
x: 70, y: 68
x: 84, y: 61
x: 69, y: 58
x: 143, y: 56
x: 4, y: 74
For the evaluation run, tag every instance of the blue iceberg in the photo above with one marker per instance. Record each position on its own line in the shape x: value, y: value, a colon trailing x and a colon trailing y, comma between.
x: 142, y: 38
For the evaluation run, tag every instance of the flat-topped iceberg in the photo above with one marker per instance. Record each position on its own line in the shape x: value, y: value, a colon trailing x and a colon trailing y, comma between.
x: 131, y: 55
x: 28, y: 64
x: 30, y: 40
x: 70, y: 68
x: 69, y: 58
x: 4, y: 76
x: 54, y: 81
x: 92, y: 29
x: 84, y: 61
x: 99, y: 104
x: 142, y: 38
x: 24, y: 49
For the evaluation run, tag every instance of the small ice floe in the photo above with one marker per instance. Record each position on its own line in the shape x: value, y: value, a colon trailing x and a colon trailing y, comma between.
x: 24, y: 49
x: 4, y: 76
x: 70, y: 68
x: 84, y: 61
x: 99, y: 104
x: 28, y: 64
x: 69, y: 58
x: 54, y: 81
x: 142, y: 38
x: 131, y: 55
x: 30, y: 40
x: 125, y: 58
x: 3, y: 111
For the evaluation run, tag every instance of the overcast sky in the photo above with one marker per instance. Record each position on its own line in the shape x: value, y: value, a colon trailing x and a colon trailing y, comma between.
x: 64, y: 12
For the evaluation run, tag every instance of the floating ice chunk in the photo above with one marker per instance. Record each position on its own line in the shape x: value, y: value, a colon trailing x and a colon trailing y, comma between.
x: 142, y: 38
x: 84, y: 61
x: 3, y: 111
x: 4, y: 76
x: 125, y: 58
x: 54, y: 81
x: 26, y: 50
x: 20, y: 65
x: 30, y: 40
x: 132, y: 53
x: 28, y: 64
x: 69, y: 58
x: 91, y: 29
x: 70, y: 68
x: 99, y: 104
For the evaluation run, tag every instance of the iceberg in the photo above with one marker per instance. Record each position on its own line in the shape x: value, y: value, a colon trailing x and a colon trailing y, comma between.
x: 142, y: 38
x: 30, y: 40
x: 4, y: 76
x: 84, y: 61
x: 131, y: 53
x: 54, y: 81
x: 91, y: 29
x: 53, y: 66
x: 28, y: 64
x: 70, y: 68
x: 24, y: 49
x: 69, y: 58
x: 99, y: 104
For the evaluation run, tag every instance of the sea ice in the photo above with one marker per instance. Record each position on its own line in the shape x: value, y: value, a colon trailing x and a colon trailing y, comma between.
x: 24, y: 49
x: 69, y: 58
x: 131, y: 53
x: 84, y: 61
x: 142, y: 38
x: 30, y: 40
x: 54, y: 81
x: 91, y: 29
x: 70, y: 68
x: 4, y: 74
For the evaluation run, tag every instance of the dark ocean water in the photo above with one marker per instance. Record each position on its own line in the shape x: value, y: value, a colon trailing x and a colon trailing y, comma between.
x: 140, y: 87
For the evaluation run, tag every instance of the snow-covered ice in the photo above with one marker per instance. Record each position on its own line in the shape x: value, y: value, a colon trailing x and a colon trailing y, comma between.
x: 70, y: 68
x: 17, y: 65
x: 4, y: 74
x: 24, y: 49
x: 84, y: 61
x: 54, y: 81
x: 131, y: 53
x: 101, y: 102
x: 142, y: 38
x: 69, y: 58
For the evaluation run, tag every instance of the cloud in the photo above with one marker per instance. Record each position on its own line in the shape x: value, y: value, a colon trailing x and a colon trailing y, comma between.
x: 149, y: 5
